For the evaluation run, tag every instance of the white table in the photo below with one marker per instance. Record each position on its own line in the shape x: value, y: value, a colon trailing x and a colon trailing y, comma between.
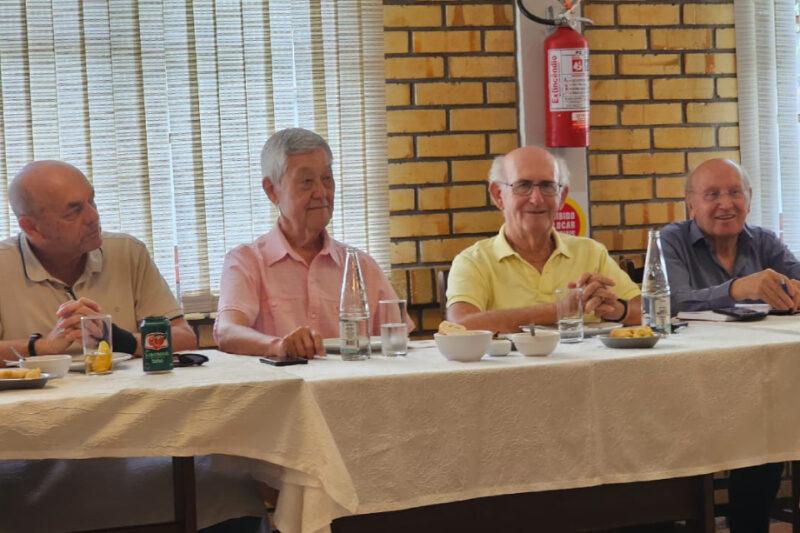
x: 385, y: 434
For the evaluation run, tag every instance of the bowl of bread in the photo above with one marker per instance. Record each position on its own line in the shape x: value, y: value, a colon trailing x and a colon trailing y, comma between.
x: 458, y: 343
x: 632, y: 337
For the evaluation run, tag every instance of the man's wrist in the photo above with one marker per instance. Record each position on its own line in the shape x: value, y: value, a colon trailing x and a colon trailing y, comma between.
x: 32, y: 344
x: 624, y: 314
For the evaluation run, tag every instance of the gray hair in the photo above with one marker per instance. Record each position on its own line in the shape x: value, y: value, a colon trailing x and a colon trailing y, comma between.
x: 497, y: 172
x: 20, y: 198
x: 288, y: 142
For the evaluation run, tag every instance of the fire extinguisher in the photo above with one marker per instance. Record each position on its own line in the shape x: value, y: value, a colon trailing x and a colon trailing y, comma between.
x: 566, y: 59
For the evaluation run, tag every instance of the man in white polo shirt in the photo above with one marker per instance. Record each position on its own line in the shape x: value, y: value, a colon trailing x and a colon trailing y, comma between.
x: 59, y: 268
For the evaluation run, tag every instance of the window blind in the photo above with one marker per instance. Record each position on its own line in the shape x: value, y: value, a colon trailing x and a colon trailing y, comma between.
x: 768, y: 130
x: 165, y: 105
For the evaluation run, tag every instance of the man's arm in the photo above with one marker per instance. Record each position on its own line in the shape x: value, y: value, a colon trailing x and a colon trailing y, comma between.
x: 183, y: 336
x: 685, y: 297
x: 234, y: 335
x: 501, y: 320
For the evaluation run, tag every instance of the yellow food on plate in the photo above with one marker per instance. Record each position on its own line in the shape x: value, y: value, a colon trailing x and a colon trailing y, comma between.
x: 20, y: 373
x: 451, y: 328
x: 633, y: 332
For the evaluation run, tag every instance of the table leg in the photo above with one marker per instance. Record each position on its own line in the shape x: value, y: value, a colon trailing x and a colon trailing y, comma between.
x: 795, y: 496
x: 705, y: 522
x: 184, y: 494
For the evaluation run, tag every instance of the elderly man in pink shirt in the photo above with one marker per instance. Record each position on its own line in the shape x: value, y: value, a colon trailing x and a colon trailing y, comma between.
x: 279, y: 295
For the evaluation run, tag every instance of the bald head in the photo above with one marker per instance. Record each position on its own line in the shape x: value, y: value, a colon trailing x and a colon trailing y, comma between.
x: 38, y: 181
x: 717, y: 167
x: 529, y: 158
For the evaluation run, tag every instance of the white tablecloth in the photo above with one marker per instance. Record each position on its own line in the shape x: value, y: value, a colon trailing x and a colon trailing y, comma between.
x: 341, y: 438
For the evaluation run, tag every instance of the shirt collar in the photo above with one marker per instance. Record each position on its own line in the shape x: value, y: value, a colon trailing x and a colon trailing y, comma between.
x: 277, y: 247
x: 696, y: 234
x: 503, y: 249
x: 34, y: 270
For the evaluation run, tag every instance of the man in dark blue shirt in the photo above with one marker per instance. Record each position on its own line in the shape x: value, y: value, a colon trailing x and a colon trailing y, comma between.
x: 714, y: 260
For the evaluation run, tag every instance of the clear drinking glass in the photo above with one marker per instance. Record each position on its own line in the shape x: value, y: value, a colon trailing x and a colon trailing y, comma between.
x: 569, y: 309
x: 394, y: 331
x: 97, y: 348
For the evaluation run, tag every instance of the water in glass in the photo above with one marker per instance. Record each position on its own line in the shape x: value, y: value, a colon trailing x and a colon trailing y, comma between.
x: 394, y: 339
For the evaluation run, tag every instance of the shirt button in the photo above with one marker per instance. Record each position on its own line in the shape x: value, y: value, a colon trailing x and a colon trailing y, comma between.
x: 314, y: 315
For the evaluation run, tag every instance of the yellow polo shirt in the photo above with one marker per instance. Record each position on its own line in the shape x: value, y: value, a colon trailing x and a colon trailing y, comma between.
x: 491, y: 275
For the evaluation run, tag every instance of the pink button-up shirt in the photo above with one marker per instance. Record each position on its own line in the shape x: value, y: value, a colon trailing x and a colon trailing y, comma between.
x: 277, y: 291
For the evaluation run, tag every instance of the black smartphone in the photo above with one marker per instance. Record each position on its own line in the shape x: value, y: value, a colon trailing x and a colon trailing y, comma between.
x: 782, y: 312
x: 743, y: 314
x: 283, y: 361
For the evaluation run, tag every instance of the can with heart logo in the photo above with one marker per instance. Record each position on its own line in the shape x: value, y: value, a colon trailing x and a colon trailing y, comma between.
x: 156, y: 344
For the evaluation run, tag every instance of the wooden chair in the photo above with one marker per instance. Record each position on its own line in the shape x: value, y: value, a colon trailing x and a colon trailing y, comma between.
x: 441, y: 290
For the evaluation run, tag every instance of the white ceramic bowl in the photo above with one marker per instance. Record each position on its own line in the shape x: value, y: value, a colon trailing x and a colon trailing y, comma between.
x: 55, y: 365
x: 466, y: 347
x: 543, y: 343
x: 499, y: 347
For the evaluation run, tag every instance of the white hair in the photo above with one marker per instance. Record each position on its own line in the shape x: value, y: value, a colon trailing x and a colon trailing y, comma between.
x: 497, y: 172
x: 288, y: 142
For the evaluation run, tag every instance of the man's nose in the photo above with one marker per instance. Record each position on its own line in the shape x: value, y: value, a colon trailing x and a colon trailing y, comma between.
x: 536, y: 196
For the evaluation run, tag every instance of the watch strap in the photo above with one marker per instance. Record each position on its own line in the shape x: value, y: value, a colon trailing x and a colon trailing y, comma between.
x: 32, y: 343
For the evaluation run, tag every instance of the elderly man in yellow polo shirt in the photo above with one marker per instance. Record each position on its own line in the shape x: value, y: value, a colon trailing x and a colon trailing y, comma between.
x: 510, y: 280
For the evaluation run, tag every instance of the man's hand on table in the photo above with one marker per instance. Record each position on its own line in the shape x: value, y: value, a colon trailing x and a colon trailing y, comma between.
x: 597, y: 295
x: 773, y: 288
x: 302, y: 342
x: 68, y: 327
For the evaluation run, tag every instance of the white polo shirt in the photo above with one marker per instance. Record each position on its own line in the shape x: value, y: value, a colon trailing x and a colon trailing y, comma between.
x: 120, y: 276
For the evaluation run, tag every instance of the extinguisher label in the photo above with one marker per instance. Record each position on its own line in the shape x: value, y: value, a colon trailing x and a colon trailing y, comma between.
x: 568, y: 79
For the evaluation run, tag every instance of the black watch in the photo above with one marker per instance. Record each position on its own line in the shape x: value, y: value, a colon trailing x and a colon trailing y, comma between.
x: 32, y: 344
x: 624, y: 310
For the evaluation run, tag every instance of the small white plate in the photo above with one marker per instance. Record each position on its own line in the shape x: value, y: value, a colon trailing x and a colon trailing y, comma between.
x: 79, y: 366
x: 36, y: 383
x: 333, y: 344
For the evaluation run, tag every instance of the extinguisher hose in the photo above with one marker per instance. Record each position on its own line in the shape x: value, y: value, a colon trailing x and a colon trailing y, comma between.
x: 540, y: 20
x: 567, y: 18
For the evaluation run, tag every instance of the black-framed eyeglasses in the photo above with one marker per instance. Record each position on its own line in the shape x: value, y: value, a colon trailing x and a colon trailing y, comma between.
x: 525, y: 187
x: 188, y: 359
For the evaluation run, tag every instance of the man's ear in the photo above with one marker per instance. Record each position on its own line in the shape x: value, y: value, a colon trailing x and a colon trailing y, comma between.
x: 270, y: 189
x: 28, y: 225
x: 689, y: 207
x: 496, y: 193
x: 564, y: 193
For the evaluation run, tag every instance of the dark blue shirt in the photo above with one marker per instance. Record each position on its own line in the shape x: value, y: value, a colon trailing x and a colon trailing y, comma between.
x: 699, y: 282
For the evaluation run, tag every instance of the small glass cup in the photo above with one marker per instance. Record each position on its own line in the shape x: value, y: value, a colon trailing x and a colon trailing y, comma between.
x: 394, y: 329
x: 569, y: 309
x: 97, y: 346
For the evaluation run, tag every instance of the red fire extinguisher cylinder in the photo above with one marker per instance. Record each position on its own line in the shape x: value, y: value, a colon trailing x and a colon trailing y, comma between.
x: 566, y: 55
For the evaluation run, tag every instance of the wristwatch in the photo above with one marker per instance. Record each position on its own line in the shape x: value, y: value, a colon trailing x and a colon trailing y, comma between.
x: 32, y: 343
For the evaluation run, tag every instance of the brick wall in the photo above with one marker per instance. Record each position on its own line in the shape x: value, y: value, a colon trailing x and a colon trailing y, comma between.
x: 451, y: 106
x: 663, y: 100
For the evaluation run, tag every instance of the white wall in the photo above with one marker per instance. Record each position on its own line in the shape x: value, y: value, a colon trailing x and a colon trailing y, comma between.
x: 530, y: 65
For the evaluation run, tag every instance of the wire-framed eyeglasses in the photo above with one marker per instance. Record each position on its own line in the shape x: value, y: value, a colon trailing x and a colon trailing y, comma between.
x: 714, y: 195
x: 525, y: 187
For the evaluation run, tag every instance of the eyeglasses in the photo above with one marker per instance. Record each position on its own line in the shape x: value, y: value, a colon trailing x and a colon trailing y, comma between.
x: 188, y: 359
x: 525, y: 187
x: 714, y: 195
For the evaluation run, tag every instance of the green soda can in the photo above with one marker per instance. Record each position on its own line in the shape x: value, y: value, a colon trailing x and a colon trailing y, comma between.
x: 156, y: 344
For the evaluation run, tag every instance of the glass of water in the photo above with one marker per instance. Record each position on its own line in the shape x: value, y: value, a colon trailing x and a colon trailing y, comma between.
x: 569, y: 308
x: 394, y: 331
